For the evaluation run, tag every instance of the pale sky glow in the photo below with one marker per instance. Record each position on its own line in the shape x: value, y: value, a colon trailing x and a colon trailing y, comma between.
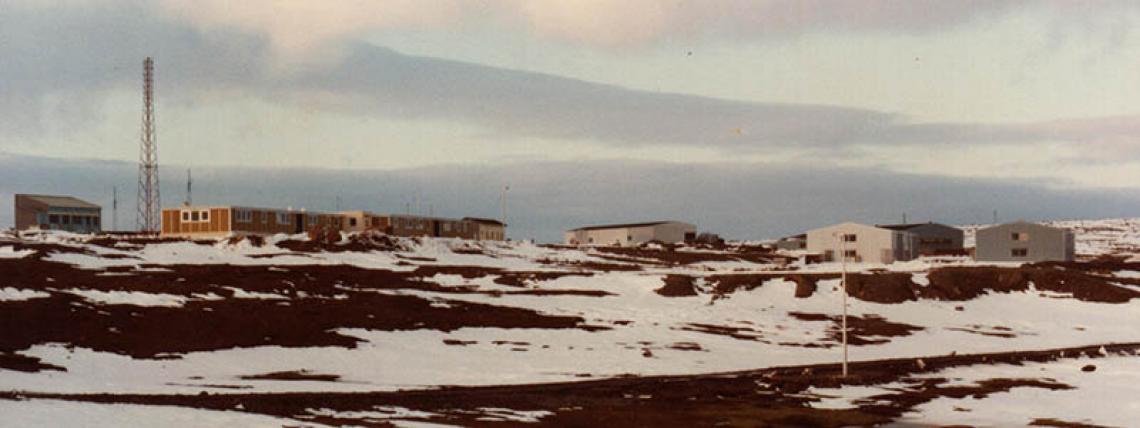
x: 1038, y: 92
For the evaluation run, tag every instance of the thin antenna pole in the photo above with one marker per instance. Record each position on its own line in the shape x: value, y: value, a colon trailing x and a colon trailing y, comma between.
x: 904, y: 218
x: 844, y: 281
x: 189, y: 190
x: 114, y: 207
x: 503, y: 204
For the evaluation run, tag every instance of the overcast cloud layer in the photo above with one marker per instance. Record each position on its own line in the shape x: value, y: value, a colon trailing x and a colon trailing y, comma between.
x: 740, y: 201
x: 308, y: 86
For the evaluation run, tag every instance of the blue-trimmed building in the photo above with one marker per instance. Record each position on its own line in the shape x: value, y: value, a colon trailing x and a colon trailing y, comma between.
x: 49, y: 212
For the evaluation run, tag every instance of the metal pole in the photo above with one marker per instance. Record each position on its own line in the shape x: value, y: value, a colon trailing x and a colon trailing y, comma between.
x: 843, y: 280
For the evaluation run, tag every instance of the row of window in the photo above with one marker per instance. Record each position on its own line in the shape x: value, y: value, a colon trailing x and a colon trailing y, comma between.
x: 79, y: 220
x: 1019, y: 236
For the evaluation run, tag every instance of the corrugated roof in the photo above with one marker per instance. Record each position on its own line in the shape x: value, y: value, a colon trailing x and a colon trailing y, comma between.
x: 623, y: 226
x: 60, y: 201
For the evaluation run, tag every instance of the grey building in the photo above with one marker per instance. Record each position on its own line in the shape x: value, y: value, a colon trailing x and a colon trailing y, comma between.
x: 632, y: 233
x: 933, y: 238
x: 50, y: 212
x: 1024, y: 242
x: 792, y: 243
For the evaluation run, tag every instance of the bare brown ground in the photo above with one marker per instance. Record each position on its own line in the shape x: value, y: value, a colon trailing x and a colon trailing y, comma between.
x: 1084, y: 281
x: 766, y: 397
x: 321, y: 299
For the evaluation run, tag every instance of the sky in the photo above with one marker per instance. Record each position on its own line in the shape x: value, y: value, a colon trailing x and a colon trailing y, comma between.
x: 749, y: 118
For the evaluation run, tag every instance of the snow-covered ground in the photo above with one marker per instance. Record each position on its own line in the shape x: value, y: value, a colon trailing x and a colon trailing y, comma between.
x: 641, y: 332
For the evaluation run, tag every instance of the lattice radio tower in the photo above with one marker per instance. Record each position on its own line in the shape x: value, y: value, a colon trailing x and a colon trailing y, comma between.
x: 148, y: 215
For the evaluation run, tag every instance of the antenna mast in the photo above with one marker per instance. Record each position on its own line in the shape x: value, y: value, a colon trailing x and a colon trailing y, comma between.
x: 114, y: 207
x: 189, y: 192
x: 148, y: 215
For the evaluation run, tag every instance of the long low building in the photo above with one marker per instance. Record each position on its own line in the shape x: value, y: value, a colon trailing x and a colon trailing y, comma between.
x: 217, y: 221
x: 53, y: 212
x: 632, y: 233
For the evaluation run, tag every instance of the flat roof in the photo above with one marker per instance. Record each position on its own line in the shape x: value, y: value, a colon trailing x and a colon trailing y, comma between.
x: 907, y: 226
x: 625, y: 225
x: 484, y: 220
x: 60, y: 201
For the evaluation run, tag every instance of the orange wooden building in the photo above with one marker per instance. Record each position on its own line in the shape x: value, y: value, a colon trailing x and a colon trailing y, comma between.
x: 217, y: 221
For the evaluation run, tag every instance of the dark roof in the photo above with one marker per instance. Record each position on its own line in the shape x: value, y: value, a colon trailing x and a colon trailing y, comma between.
x: 800, y: 236
x: 60, y: 201
x: 484, y: 220
x: 906, y: 226
x: 622, y: 226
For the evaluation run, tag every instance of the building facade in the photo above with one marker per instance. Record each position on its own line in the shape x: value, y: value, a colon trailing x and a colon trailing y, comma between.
x: 933, y: 238
x: 50, y: 212
x: 1024, y: 242
x: 632, y: 234
x: 218, y: 221
x: 487, y: 229
x: 861, y: 243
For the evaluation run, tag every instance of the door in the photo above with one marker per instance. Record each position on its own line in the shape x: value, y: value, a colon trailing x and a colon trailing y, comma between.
x: 435, y: 228
x: 298, y: 223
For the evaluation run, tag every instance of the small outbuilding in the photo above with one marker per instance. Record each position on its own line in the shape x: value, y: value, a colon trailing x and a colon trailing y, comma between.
x: 632, y: 233
x: 792, y: 243
x: 51, y: 212
x: 1024, y: 242
x: 862, y: 243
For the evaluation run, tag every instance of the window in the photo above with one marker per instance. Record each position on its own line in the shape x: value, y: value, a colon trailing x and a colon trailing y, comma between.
x: 352, y: 222
x: 283, y: 218
x: 447, y: 227
x: 54, y: 219
x: 243, y: 216
x: 851, y: 254
x: 591, y: 239
x: 628, y: 238
x: 1019, y: 252
x: 849, y: 237
x: 312, y: 219
x: 194, y: 216
x: 66, y: 219
x: 1019, y: 236
x: 205, y: 215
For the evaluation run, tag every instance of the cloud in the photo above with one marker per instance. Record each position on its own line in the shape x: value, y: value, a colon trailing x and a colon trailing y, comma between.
x: 739, y: 200
x: 298, y: 29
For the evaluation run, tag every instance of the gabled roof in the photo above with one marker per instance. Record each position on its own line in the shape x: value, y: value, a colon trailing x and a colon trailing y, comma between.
x: 60, y: 201
x: 623, y: 226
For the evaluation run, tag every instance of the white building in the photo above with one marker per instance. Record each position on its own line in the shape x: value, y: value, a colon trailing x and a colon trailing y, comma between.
x: 862, y: 243
x: 632, y: 234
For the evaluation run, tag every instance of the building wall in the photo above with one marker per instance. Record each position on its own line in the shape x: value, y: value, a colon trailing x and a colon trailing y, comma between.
x: 1042, y: 243
x: 792, y: 244
x: 489, y: 232
x: 26, y: 210
x: 872, y: 244
x: 175, y: 223
x: 934, y: 237
x: 628, y: 236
